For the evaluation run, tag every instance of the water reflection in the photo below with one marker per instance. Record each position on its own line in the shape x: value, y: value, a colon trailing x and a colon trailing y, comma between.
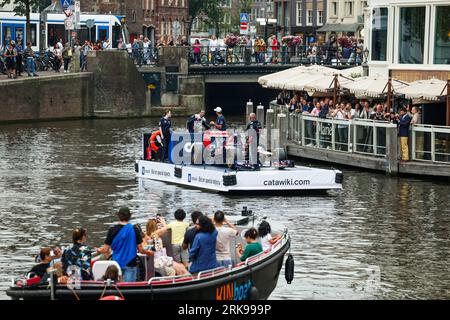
x: 379, y: 238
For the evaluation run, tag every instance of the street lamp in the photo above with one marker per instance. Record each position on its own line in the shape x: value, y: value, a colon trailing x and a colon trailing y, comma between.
x: 365, y: 65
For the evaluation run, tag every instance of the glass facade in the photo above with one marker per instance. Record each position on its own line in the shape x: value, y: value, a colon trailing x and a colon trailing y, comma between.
x: 379, y: 34
x: 412, y: 35
x: 442, y: 36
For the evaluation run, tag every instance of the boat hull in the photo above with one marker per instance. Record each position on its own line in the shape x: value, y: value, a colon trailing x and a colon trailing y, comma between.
x: 235, y: 284
x: 266, y: 180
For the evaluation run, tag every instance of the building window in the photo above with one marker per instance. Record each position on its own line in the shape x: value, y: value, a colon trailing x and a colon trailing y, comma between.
x: 412, y: 35
x: 334, y: 8
x: 379, y: 34
x: 319, y: 17
x: 349, y: 8
x: 442, y: 36
x: 309, y: 17
x: 299, y: 13
x: 287, y: 17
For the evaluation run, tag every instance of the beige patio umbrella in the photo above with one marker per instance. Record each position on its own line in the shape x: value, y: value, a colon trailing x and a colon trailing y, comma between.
x: 373, y: 86
x: 266, y: 81
x: 430, y: 89
x: 294, y: 78
x: 326, y: 83
x: 298, y: 82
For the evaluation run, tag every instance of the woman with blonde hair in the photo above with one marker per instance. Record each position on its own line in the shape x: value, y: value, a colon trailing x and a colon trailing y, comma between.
x: 164, y: 264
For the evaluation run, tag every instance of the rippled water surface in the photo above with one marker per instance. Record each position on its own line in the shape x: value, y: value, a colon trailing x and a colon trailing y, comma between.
x: 379, y: 238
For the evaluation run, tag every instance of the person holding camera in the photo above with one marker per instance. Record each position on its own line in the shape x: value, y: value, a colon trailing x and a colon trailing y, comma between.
x: 164, y: 265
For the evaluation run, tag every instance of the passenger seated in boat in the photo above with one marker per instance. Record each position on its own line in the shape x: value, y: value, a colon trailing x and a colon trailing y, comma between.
x: 79, y: 254
x: 190, y: 234
x: 252, y: 248
x: 203, y: 251
x: 40, y: 269
x: 226, y: 232
x: 178, y: 227
x: 164, y: 264
x: 267, y: 241
x: 112, y: 273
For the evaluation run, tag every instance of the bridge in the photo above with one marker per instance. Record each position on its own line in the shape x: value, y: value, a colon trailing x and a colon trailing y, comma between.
x: 176, y: 78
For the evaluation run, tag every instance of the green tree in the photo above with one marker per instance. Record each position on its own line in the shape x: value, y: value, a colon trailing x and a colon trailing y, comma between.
x: 24, y: 8
x: 244, y: 6
x: 210, y: 9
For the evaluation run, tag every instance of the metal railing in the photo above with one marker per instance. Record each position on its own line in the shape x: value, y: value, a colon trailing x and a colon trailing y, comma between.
x: 353, y: 136
x: 365, y: 136
x: 430, y: 143
x: 254, y: 55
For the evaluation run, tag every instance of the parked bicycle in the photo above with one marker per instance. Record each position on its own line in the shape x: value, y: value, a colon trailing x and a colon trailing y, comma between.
x: 225, y: 57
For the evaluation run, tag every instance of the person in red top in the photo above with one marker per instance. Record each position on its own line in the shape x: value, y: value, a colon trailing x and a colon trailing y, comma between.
x: 274, y: 49
x: 197, y: 50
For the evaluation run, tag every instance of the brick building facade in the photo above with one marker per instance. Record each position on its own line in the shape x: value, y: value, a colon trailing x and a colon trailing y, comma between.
x: 153, y: 18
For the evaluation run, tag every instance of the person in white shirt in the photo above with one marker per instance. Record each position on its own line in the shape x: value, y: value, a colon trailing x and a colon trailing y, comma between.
x: 58, y: 58
x: 60, y: 45
x: 213, y: 47
x: 226, y: 232
x: 267, y: 241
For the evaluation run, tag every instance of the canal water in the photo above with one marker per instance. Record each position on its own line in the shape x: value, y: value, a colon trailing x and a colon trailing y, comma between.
x: 378, y: 238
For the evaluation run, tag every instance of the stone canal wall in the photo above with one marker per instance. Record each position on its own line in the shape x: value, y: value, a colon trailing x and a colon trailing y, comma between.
x: 119, y: 89
x: 112, y: 88
x: 47, y: 97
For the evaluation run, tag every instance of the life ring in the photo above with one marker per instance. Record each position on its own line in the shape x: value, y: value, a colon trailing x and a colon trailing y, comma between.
x: 153, y: 140
x: 152, y: 144
x: 112, y: 298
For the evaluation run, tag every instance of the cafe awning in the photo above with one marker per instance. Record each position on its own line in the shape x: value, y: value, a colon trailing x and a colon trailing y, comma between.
x: 429, y: 90
x: 341, y: 27
x: 326, y: 83
x: 373, y: 86
x: 266, y: 80
x: 294, y: 78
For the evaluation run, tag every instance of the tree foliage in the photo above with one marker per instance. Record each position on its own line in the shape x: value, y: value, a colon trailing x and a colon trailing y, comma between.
x: 209, y: 10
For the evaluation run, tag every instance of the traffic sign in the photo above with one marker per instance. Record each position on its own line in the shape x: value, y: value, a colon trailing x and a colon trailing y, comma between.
x: 66, y: 3
x: 90, y: 23
x: 244, y: 17
x: 68, y: 23
x: 67, y: 12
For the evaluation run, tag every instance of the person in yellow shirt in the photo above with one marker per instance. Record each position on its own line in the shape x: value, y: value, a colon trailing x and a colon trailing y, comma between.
x: 178, y: 227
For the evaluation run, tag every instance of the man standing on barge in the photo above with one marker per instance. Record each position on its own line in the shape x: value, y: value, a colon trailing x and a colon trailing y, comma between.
x: 164, y: 127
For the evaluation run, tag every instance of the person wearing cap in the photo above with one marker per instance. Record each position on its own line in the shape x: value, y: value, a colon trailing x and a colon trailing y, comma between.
x: 125, y: 240
x: 220, y: 123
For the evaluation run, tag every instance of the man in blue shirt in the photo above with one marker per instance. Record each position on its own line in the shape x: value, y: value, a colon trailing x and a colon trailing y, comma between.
x: 220, y: 125
x: 403, y: 132
x: 164, y: 128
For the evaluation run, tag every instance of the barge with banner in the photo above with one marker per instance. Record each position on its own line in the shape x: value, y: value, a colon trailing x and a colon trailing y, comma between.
x: 279, y: 176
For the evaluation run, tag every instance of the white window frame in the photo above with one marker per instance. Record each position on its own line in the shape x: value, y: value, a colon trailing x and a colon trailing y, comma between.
x: 298, y: 18
x: 432, y: 33
x: 332, y: 12
x: 319, y: 23
x: 309, y: 14
x: 349, y: 4
x: 396, y: 38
